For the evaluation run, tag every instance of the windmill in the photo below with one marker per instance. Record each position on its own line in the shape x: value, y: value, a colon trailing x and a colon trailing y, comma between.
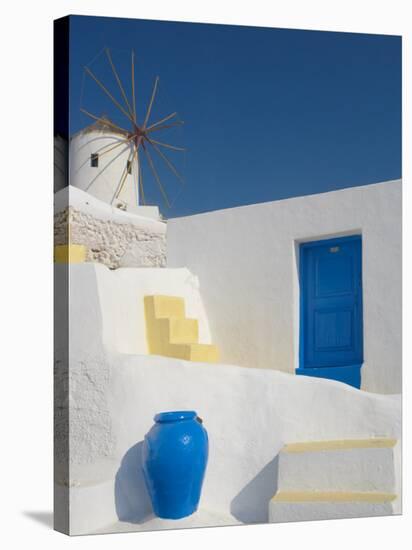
x: 117, y: 150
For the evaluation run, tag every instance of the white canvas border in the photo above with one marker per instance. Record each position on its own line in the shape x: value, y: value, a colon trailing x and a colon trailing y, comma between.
x: 26, y: 299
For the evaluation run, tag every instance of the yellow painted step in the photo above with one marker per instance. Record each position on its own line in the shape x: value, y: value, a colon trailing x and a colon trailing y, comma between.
x: 327, y: 496
x: 207, y: 353
x: 171, y: 334
x: 179, y: 331
x: 70, y: 254
x: 339, y: 444
x: 202, y: 353
x: 160, y: 306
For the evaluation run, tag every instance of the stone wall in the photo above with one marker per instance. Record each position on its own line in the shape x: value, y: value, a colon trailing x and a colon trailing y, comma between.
x: 111, y: 243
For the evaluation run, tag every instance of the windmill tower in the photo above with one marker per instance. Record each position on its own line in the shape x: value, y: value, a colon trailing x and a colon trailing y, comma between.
x: 107, y: 159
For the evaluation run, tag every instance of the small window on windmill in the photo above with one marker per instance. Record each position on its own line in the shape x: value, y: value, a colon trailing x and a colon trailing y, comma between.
x: 129, y: 167
x: 94, y: 160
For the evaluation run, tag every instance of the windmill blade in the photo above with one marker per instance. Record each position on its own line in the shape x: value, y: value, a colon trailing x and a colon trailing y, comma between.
x: 140, y: 177
x: 151, y: 102
x: 168, y: 117
x: 164, y: 126
x: 106, y: 91
x: 149, y: 158
x: 117, y: 192
x: 167, y: 145
x: 104, y: 120
x: 116, y: 145
x: 133, y: 93
x: 105, y: 168
x: 126, y: 172
x: 135, y: 176
x: 99, y: 139
x: 167, y: 161
x: 122, y: 180
x: 109, y: 57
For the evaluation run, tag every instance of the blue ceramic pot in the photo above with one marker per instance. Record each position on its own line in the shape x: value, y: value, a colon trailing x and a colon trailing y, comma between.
x: 175, y: 452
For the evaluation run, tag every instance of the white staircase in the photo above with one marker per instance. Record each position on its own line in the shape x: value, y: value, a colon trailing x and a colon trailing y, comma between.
x: 334, y: 479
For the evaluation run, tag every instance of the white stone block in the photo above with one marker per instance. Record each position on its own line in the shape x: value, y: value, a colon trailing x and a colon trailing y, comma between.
x: 345, y: 469
x: 280, y: 512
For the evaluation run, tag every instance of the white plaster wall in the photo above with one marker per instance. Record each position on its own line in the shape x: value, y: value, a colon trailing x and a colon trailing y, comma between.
x: 89, y: 204
x: 121, y: 294
x: 249, y: 413
x: 246, y: 259
x: 102, y: 181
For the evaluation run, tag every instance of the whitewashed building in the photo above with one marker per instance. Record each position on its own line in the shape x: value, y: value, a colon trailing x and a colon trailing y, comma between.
x: 284, y: 447
x: 335, y: 314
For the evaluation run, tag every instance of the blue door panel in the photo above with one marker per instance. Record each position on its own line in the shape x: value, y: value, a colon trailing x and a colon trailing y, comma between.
x: 348, y: 375
x: 331, y: 305
x: 333, y: 330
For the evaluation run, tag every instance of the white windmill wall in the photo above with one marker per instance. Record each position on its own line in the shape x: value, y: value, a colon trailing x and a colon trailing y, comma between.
x: 102, y: 181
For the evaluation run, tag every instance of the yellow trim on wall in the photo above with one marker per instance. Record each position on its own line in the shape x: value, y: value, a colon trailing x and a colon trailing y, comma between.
x: 70, y: 254
x: 320, y: 496
x: 336, y: 445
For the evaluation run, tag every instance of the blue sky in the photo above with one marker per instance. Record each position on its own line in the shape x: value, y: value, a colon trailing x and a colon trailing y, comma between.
x: 269, y: 113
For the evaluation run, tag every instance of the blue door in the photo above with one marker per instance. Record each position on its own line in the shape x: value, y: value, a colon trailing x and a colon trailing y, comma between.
x: 331, y: 328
